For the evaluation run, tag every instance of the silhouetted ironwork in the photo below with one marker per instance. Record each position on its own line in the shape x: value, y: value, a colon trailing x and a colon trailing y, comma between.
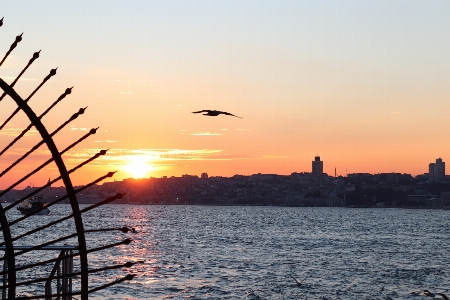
x: 65, y: 258
x: 35, y: 56
x: 67, y: 92
x: 52, y: 73
x: 42, y: 166
x: 12, y: 47
x: 73, y: 117
x: 91, y: 271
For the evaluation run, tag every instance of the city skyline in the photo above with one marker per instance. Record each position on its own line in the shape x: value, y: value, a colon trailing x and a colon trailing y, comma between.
x: 435, y: 174
x: 362, y: 84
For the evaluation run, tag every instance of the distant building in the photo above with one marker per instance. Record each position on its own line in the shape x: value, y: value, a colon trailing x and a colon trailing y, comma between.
x: 317, y: 166
x: 204, y: 176
x: 436, y: 171
x: 445, y: 198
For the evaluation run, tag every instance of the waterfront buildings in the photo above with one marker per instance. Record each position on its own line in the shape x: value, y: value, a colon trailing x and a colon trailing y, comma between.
x: 436, y: 171
x: 317, y: 166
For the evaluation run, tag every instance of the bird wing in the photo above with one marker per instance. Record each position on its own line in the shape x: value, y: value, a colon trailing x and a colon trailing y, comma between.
x: 200, y: 111
x: 229, y: 114
x: 298, y: 283
x: 443, y: 296
x: 294, y: 279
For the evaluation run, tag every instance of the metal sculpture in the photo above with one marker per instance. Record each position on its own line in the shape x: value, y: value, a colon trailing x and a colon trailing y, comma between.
x: 11, y: 239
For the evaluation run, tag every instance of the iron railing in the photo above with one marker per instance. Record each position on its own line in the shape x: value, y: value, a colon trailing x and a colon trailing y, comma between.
x: 12, y: 236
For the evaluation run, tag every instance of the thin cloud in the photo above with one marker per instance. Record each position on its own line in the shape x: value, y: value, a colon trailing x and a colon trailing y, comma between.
x: 121, y: 157
x: 11, y: 79
x: 21, y: 151
x: 14, y: 131
x: 206, y: 133
x: 76, y: 128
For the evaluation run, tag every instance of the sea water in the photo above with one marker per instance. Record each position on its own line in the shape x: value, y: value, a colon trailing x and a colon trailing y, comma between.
x: 244, y: 252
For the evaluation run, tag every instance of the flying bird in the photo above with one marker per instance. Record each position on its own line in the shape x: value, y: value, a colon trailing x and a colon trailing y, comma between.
x: 214, y: 113
x: 428, y: 293
x: 298, y: 283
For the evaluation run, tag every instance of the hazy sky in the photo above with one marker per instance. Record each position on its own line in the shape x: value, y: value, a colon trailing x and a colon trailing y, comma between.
x: 363, y: 84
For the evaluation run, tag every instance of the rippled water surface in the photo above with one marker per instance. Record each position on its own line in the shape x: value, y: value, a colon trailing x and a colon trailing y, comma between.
x: 208, y: 252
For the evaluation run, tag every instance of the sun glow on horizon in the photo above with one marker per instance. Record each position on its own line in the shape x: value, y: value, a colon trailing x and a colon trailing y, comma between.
x: 138, y: 166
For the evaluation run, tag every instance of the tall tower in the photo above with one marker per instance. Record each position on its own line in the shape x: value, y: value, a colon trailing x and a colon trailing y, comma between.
x: 431, y: 172
x: 317, y: 166
x: 436, y: 171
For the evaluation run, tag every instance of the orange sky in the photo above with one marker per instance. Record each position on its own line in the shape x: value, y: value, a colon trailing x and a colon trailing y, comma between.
x: 364, y: 84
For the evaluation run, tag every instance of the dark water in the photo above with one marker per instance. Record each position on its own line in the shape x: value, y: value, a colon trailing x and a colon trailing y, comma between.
x: 206, y: 252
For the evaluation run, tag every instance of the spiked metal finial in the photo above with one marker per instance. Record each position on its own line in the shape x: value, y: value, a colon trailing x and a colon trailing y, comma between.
x: 6, y: 224
x: 110, y: 174
x: 129, y: 276
x: 81, y: 111
x: 36, y: 54
x: 68, y: 91
x: 14, y: 45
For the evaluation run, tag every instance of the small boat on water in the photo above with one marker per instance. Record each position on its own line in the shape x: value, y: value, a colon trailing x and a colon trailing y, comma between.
x: 34, y: 205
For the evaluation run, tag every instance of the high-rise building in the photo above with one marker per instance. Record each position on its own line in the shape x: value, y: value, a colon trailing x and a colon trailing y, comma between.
x: 436, y: 171
x: 317, y: 166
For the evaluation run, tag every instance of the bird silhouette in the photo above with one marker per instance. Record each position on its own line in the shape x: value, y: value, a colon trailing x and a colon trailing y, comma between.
x: 298, y: 283
x: 443, y: 296
x: 214, y: 113
x: 430, y: 294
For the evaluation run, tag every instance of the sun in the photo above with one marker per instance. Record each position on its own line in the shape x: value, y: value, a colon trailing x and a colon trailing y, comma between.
x: 138, y: 166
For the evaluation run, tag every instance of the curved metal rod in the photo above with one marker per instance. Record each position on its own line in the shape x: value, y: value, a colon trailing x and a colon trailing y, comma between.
x: 73, y: 117
x: 67, y: 92
x: 52, y: 72
x: 61, y: 199
x: 70, y: 191
x: 10, y: 258
x: 35, y: 56
x: 37, y: 247
x: 51, y: 182
x: 92, y: 131
x: 127, y: 277
x: 110, y: 199
x: 125, y: 265
x: 124, y: 242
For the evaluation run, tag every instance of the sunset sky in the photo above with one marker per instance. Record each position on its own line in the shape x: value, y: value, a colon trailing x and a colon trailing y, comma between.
x: 363, y: 84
